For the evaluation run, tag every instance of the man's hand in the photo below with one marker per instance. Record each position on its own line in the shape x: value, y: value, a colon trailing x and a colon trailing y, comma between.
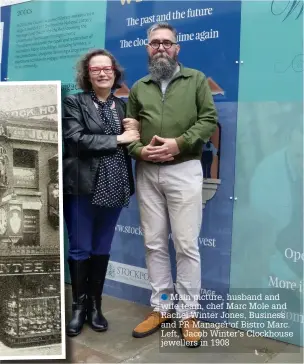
x: 166, y: 151
x: 162, y: 153
x: 130, y: 124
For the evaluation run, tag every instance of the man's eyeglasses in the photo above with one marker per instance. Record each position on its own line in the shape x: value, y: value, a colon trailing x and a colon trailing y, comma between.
x: 108, y: 70
x: 167, y: 44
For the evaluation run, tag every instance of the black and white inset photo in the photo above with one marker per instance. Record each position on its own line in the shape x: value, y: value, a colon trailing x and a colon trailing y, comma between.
x: 31, y: 222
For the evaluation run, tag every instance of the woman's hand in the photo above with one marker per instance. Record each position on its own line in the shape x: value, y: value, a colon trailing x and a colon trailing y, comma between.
x: 130, y: 124
x: 128, y: 136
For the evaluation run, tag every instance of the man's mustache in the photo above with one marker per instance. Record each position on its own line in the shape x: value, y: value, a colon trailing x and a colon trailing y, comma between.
x: 160, y: 55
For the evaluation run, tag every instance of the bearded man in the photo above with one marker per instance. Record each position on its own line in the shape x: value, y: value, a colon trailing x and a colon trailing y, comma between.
x: 177, y: 115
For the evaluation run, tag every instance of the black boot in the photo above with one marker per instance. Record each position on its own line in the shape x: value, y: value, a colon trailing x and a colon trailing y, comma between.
x: 97, y: 275
x: 79, y: 270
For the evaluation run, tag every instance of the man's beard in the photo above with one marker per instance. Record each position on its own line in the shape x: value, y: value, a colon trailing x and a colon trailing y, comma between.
x: 162, y: 67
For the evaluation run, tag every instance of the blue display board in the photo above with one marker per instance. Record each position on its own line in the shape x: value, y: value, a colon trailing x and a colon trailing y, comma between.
x: 252, y: 56
x: 205, y: 33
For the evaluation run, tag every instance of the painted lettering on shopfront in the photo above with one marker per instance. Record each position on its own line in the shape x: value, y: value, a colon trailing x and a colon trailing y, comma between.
x: 38, y: 135
x: 34, y: 267
x: 33, y: 111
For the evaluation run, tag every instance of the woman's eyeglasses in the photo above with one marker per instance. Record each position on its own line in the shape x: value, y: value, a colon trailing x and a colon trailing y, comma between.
x: 108, y: 70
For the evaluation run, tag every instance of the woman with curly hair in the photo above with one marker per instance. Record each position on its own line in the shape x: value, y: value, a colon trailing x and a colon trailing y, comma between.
x: 97, y: 180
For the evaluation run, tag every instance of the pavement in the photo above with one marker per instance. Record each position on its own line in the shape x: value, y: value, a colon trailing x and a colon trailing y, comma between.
x: 118, y: 346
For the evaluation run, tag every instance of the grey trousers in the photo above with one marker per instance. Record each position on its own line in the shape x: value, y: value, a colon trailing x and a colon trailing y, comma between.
x: 172, y: 194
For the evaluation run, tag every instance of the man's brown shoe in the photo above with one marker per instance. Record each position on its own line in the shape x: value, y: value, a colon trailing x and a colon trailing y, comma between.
x: 150, y: 324
x: 190, y: 332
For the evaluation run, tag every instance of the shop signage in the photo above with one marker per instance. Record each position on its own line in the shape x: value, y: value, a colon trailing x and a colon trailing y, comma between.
x: 30, y: 222
x: 33, y: 111
x: 28, y: 267
x: 37, y: 135
x: 25, y: 177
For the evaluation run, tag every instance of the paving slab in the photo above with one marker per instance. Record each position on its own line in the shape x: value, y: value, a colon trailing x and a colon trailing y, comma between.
x: 79, y: 353
x: 292, y: 354
x: 117, y: 342
x: 247, y: 350
x: 118, y: 346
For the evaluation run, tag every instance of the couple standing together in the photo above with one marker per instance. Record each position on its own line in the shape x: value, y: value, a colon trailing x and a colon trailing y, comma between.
x: 170, y: 114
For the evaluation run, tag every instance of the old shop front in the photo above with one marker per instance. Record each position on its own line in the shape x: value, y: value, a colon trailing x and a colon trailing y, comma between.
x: 29, y: 234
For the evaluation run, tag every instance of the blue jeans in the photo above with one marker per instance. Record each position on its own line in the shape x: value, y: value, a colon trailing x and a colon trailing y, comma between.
x: 90, y: 228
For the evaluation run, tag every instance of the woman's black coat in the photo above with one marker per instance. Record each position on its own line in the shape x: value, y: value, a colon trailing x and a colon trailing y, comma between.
x: 84, y: 142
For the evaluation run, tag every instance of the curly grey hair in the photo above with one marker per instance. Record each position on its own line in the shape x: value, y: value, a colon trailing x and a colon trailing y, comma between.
x: 82, y: 74
x: 161, y: 25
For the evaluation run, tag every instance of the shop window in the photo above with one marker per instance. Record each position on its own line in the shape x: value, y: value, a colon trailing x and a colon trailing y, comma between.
x: 25, y: 165
x: 31, y: 309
